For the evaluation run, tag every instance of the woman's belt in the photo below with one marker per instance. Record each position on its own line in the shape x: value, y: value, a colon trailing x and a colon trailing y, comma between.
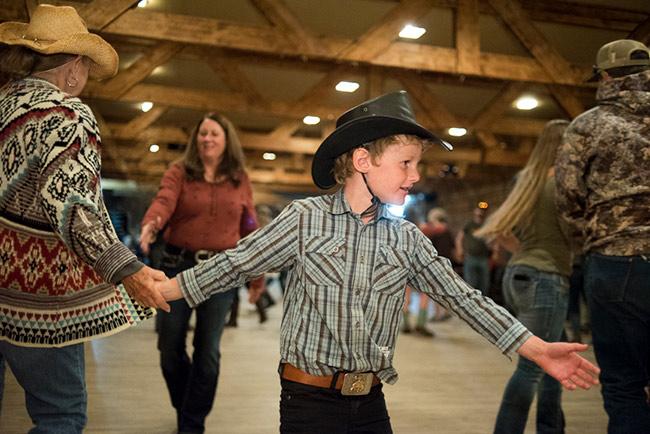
x: 197, y: 256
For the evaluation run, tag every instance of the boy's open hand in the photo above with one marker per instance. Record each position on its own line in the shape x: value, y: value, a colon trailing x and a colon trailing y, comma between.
x: 561, y: 361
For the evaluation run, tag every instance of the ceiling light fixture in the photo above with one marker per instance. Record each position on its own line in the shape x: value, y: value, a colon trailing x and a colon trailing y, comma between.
x: 526, y: 103
x: 412, y: 32
x: 143, y: 3
x: 154, y: 148
x: 269, y: 156
x: 457, y: 132
x: 347, y: 86
x: 311, y: 120
x: 146, y: 106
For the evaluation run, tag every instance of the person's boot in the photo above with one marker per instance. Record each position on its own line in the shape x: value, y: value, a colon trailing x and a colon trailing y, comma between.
x: 261, y: 311
x: 234, y: 309
x: 420, y: 326
x: 406, y: 324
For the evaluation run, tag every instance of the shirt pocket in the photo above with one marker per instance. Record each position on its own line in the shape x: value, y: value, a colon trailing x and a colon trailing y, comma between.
x: 391, y: 270
x: 324, y: 262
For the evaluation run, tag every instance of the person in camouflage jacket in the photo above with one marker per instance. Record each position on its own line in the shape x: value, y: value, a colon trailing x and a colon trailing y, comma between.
x: 603, y: 194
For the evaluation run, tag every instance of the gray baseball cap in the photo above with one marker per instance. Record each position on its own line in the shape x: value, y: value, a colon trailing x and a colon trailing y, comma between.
x: 616, y: 54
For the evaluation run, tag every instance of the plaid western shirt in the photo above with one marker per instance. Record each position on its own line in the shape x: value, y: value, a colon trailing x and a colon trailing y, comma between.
x: 346, y: 285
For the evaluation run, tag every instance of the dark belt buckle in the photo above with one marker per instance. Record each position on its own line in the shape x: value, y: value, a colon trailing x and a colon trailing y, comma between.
x: 357, y: 383
x: 202, y: 255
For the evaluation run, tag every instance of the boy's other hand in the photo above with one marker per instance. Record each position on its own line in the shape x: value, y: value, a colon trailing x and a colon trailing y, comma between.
x: 561, y: 361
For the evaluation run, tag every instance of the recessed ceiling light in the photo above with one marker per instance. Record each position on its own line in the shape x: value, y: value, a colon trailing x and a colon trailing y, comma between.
x: 526, y: 103
x: 146, y: 106
x: 269, y: 156
x: 347, y: 86
x: 457, y: 132
x: 142, y: 3
x: 154, y: 148
x: 412, y: 32
x: 311, y: 120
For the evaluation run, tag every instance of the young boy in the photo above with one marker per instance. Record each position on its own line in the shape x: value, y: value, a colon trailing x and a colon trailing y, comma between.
x: 349, y: 262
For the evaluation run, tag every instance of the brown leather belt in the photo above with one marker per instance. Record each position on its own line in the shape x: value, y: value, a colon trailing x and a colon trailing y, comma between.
x: 350, y: 383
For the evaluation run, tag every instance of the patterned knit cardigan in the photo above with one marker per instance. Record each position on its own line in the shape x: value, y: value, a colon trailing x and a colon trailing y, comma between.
x: 59, y: 255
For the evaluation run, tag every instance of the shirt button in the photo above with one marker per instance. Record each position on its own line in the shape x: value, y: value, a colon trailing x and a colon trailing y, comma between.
x: 357, y: 292
x: 361, y: 260
x: 357, y: 324
x: 336, y: 250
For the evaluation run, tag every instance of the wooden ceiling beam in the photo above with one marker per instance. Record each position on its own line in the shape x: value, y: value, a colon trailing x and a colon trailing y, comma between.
x: 436, y: 113
x: 136, y: 126
x: 641, y: 32
x: 468, y: 40
x: 232, y: 76
x: 280, y: 16
x: 499, y: 104
x: 566, y: 12
x: 384, y: 32
x: 567, y: 99
x: 402, y: 55
x: 100, y: 13
x: 138, y: 71
x: 523, y: 27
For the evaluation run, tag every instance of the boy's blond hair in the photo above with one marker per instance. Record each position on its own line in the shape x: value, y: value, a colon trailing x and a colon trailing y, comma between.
x: 343, y: 167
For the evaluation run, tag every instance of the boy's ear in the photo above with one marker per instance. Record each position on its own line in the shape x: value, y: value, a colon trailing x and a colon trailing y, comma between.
x: 361, y: 160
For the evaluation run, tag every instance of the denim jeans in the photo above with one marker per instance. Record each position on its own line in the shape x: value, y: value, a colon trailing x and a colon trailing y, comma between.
x: 618, y: 291
x: 476, y: 272
x: 316, y: 410
x: 192, y: 383
x: 540, y: 302
x: 54, y: 383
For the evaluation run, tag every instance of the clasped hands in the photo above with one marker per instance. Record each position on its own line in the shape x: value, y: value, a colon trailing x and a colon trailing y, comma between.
x: 142, y: 286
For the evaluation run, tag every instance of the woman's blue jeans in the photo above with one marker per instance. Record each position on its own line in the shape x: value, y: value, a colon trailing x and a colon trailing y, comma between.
x: 540, y: 301
x: 192, y: 383
x: 54, y: 383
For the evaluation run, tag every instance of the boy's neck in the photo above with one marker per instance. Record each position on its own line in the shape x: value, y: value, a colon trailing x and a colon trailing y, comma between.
x: 357, y: 195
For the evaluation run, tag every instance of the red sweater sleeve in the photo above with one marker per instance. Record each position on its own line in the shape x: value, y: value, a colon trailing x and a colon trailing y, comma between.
x: 249, y: 217
x: 164, y: 204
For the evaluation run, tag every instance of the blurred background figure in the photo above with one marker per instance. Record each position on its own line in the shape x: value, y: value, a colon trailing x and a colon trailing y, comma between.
x: 536, y: 281
x: 437, y: 230
x: 474, y: 253
x: 205, y: 205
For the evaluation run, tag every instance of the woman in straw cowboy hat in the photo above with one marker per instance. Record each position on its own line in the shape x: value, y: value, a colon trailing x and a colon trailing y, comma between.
x: 60, y: 258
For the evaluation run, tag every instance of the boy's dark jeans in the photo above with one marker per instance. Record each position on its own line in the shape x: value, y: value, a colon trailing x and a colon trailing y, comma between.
x: 315, y: 410
x: 618, y: 289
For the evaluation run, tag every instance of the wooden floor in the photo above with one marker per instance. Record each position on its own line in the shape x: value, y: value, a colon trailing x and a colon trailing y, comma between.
x: 449, y: 384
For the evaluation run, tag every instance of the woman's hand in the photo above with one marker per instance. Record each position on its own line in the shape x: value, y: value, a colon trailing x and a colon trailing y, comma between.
x: 148, y: 234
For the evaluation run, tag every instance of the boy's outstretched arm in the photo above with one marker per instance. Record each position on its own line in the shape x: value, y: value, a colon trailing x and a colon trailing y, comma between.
x: 561, y: 361
x: 170, y: 290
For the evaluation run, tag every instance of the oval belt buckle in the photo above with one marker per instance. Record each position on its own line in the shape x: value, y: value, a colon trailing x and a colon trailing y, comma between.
x: 202, y: 255
x: 357, y: 383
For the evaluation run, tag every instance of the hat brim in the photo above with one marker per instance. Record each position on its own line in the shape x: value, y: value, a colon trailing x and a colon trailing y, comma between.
x: 357, y: 132
x: 104, y: 58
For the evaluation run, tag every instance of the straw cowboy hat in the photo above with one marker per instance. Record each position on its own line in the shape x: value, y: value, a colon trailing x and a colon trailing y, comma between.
x: 384, y: 116
x: 60, y: 29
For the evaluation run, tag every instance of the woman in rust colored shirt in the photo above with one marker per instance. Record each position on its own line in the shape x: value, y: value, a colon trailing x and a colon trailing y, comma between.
x: 205, y: 204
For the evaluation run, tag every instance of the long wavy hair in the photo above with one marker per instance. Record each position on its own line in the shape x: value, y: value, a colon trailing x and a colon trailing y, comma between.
x: 518, y: 208
x: 232, y: 163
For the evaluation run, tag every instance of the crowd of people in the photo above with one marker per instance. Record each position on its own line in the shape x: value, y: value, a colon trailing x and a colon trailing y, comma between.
x: 347, y: 262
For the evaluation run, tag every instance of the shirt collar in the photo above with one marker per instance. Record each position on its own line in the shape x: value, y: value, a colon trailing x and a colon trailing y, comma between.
x: 340, y: 205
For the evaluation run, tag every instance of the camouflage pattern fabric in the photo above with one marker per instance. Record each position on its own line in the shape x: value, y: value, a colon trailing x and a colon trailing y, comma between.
x: 603, y: 171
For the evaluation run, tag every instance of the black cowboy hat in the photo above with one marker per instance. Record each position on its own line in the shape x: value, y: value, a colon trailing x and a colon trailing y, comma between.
x: 384, y: 116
